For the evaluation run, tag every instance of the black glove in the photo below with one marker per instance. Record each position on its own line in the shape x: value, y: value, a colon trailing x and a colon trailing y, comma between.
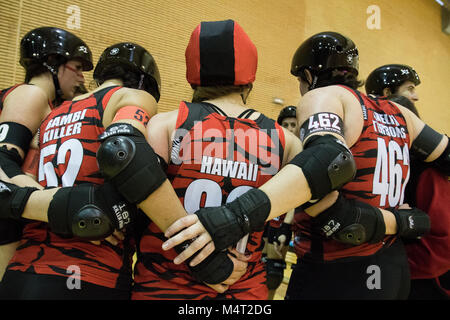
x: 89, y: 211
x: 411, y: 223
x: 351, y: 222
x: 229, y: 223
x: 273, y: 233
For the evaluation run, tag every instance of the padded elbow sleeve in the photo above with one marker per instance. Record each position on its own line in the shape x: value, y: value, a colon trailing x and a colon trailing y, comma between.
x: 326, y: 163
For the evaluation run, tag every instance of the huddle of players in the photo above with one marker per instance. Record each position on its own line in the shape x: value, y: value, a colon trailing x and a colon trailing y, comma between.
x: 117, y: 179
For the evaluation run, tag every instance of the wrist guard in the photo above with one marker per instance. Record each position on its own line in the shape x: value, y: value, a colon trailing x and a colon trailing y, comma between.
x: 214, y: 269
x: 229, y: 223
x: 10, y: 161
x: 274, y: 233
x: 13, y: 200
x: 411, y: 223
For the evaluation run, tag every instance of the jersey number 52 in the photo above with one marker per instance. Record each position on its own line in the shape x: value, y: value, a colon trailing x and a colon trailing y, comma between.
x: 47, y: 171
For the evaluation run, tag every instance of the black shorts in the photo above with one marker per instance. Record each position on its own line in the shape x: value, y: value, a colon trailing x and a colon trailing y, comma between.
x: 17, y: 285
x: 384, y: 275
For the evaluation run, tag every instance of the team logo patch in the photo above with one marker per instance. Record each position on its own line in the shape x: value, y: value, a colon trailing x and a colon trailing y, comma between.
x: 116, y: 130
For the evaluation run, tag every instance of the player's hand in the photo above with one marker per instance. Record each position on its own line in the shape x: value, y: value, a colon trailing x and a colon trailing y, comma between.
x: 279, y: 245
x: 193, y: 229
x: 240, y: 268
x: 240, y: 262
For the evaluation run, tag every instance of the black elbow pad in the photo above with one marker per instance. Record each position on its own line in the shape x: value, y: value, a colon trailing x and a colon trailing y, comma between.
x: 326, y: 163
x: 88, y: 211
x: 352, y: 222
x: 127, y: 160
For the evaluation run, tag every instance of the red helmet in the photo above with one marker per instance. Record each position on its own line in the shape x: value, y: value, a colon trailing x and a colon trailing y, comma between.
x: 220, y: 53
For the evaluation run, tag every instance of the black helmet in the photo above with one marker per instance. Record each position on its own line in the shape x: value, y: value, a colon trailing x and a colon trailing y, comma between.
x: 287, y: 112
x: 135, y: 57
x: 324, y: 51
x: 390, y: 76
x: 42, y: 42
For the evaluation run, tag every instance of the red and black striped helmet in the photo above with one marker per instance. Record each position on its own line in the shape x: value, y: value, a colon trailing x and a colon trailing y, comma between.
x: 220, y: 53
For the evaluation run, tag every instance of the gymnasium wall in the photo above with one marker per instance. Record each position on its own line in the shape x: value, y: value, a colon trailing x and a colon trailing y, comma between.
x: 385, y: 31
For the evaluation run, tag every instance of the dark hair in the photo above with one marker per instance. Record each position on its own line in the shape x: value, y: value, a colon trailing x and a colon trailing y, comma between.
x: 36, y: 69
x: 408, y: 104
x: 207, y: 93
x: 335, y: 76
x: 129, y: 77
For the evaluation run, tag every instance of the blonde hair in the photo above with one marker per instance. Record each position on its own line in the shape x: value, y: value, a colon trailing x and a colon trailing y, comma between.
x: 208, y: 93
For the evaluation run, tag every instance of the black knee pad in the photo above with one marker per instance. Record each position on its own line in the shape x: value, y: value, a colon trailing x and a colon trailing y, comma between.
x: 326, y: 163
x: 275, y: 273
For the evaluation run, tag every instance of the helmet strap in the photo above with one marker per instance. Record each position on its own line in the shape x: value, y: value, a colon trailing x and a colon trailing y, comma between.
x: 244, y: 95
x: 58, y: 92
x: 313, y: 83
x: 141, y: 81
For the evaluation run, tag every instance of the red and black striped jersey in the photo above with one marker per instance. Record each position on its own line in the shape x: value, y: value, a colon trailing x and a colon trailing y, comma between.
x: 68, y: 144
x: 214, y: 159
x: 381, y: 154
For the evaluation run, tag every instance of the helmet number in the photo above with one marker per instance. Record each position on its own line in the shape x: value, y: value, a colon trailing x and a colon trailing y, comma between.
x: 211, y: 192
x: 387, y: 179
x: 47, y: 172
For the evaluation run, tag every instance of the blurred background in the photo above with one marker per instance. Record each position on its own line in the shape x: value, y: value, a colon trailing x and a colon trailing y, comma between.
x: 412, y: 32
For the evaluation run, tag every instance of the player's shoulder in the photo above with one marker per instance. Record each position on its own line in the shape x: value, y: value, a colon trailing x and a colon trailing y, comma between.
x: 164, y: 117
x: 30, y: 91
x: 30, y: 97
